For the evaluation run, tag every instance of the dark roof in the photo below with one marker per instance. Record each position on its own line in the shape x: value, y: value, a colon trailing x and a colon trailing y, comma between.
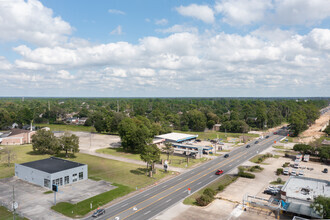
x: 52, y: 165
x: 19, y: 131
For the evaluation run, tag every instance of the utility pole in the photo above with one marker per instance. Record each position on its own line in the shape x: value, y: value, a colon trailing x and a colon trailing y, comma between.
x: 48, y: 106
x: 117, y: 106
x: 14, y: 203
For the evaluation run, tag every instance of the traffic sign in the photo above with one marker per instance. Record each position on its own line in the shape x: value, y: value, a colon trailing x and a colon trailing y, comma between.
x: 14, y: 205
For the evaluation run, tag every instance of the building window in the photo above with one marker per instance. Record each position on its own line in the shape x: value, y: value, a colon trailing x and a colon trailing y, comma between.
x: 46, y: 183
x: 81, y: 175
x: 66, y: 180
x: 74, y: 177
x: 57, y: 182
x: 61, y: 181
x: 53, y: 182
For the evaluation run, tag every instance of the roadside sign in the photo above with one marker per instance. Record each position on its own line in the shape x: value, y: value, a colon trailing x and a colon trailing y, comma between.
x: 15, y: 205
x: 189, y: 190
x: 274, y: 142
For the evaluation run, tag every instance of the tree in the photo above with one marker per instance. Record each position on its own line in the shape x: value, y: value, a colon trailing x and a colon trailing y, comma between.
x: 327, y: 129
x: 298, y: 122
x: 197, y: 120
x: 168, y: 149
x: 45, y: 142
x: 324, y: 152
x: 303, y: 148
x: 69, y: 142
x: 150, y: 154
x: 322, y: 203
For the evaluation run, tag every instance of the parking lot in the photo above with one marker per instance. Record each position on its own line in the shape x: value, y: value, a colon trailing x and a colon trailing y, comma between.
x: 34, y: 204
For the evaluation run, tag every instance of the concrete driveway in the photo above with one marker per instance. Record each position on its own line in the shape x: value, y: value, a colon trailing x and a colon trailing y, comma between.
x: 34, y: 204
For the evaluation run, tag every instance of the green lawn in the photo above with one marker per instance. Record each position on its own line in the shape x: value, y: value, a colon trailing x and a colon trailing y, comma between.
x: 82, y: 208
x: 217, y: 134
x: 176, y: 161
x: 279, y: 147
x: 8, y: 215
x: 224, y: 180
x: 290, y: 140
x: 67, y: 127
x: 277, y: 183
x: 260, y: 158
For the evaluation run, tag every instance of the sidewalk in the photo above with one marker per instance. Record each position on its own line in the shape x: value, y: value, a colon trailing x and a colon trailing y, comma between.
x: 127, y: 160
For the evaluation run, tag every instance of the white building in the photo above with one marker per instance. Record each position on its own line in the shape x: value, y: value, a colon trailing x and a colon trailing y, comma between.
x: 176, y: 137
x: 51, y: 171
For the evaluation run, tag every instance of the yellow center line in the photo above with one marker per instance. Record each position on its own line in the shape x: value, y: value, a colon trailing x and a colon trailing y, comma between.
x: 237, y: 156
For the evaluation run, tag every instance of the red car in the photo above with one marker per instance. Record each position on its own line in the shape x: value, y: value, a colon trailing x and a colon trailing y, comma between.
x: 275, y: 132
x: 219, y: 172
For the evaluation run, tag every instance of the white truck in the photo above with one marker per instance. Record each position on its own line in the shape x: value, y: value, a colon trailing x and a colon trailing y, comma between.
x: 306, y: 157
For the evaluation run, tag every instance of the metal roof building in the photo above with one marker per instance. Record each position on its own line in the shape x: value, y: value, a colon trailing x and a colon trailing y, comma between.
x: 176, y: 137
x: 51, y: 171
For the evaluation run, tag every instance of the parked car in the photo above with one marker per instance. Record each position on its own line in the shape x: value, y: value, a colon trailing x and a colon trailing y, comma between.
x: 271, y: 192
x: 293, y: 173
x: 219, y: 172
x: 226, y: 155
x: 247, y: 146
x: 198, y: 140
x: 301, y: 173
x: 98, y: 212
x: 286, y: 171
x: 325, y: 170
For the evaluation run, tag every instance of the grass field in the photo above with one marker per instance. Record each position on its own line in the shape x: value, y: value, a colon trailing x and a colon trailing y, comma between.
x: 176, y: 161
x: 67, y: 127
x: 216, y: 134
x: 7, y: 215
x: 224, y: 180
x: 260, y: 158
x: 82, y: 208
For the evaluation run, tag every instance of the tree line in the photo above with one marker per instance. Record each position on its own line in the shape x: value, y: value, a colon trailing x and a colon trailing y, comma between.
x: 166, y: 114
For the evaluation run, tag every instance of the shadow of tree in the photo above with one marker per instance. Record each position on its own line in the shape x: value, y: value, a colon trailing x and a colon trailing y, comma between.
x: 139, y: 171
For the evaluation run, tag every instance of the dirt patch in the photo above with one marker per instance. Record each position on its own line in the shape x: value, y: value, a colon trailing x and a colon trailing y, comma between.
x: 314, y: 131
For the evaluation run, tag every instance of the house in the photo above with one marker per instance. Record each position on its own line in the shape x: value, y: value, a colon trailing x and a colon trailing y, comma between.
x: 81, y: 121
x: 17, y: 137
x: 51, y: 171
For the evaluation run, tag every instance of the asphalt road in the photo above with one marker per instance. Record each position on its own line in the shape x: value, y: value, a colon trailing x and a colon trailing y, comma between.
x: 151, y: 202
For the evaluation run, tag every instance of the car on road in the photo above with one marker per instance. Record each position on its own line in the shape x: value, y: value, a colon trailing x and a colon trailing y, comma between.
x: 219, y: 172
x: 247, y: 146
x: 256, y: 142
x: 98, y: 212
x: 226, y: 155
x: 267, y: 136
x: 275, y: 132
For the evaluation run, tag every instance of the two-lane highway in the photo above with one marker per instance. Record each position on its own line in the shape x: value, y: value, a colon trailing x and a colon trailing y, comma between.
x: 149, y: 203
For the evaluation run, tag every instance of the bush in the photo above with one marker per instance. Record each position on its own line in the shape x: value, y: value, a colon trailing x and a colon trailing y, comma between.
x: 279, y: 171
x: 246, y: 175
x: 204, y: 200
x: 279, y: 180
x: 221, y: 188
x: 286, y: 164
x: 209, y: 192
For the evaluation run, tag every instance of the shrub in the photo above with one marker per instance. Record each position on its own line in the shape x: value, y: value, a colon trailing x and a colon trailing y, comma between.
x: 246, y: 175
x: 279, y: 171
x: 209, y: 192
x: 221, y: 188
x: 204, y: 200
x: 286, y: 164
x: 279, y: 180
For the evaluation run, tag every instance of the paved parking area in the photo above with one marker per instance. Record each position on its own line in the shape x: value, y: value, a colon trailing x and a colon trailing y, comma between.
x: 34, y: 204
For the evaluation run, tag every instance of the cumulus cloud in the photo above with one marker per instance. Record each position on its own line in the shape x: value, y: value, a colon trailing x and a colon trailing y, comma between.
x: 318, y: 39
x: 117, y: 31
x: 32, y: 22
x: 161, y: 21
x: 115, y: 11
x: 243, y: 12
x: 178, y: 29
x: 200, y: 12
x: 278, y: 12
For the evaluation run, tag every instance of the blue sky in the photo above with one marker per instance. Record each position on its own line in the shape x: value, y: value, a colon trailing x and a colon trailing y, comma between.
x: 165, y: 48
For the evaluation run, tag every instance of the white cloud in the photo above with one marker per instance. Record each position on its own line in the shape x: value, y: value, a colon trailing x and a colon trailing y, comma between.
x: 32, y: 22
x: 318, y: 39
x: 243, y: 12
x: 63, y: 74
x: 201, y: 12
x: 301, y: 12
x: 115, y: 11
x: 117, y: 31
x: 4, y: 64
x: 162, y: 21
x: 178, y: 29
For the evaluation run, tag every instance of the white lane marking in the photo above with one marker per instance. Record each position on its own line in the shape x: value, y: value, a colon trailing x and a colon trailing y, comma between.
x: 168, y: 200
x: 211, y: 176
x: 147, y: 212
x: 146, y: 194
x: 180, y: 178
x: 164, y: 186
x: 230, y: 165
x: 124, y: 205
x: 185, y: 191
x: 199, y: 183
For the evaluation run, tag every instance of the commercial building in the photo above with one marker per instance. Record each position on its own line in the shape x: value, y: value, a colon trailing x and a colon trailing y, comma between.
x: 51, y: 171
x: 176, y: 137
x: 17, y: 137
x: 299, y: 193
